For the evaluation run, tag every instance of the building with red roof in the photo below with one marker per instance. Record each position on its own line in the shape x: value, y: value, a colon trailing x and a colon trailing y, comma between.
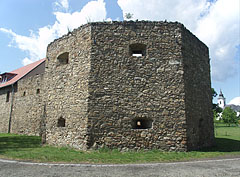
x: 10, y: 78
x: 11, y: 97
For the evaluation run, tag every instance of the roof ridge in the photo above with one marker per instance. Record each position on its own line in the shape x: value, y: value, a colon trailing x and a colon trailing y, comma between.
x: 21, y: 72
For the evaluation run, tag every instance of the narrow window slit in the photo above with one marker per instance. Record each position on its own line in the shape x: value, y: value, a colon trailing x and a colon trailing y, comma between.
x: 8, y: 96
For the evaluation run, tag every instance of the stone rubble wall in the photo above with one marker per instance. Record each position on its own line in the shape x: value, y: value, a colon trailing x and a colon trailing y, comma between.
x: 102, y: 90
x: 199, y: 116
x: 5, y: 108
x: 124, y: 88
x: 28, y: 106
x: 67, y: 89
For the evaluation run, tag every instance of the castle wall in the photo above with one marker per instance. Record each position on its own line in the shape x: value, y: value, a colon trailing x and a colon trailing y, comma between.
x: 66, y: 84
x: 126, y: 85
x: 28, y: 106
x: 5, y: 108
x: 200, y: 130
x: 125, y: 88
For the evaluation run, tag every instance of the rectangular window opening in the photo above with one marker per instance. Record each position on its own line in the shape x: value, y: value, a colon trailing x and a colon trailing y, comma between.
x: 142, y: 124
x: 137, y: 50
x: 137, y: 53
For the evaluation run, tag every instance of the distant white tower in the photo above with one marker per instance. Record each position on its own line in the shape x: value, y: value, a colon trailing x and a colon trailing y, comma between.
x: 221, y: 100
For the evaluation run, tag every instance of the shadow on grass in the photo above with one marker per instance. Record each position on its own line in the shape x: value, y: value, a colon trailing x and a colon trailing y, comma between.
x: 224, y: 145
x: 15, y: 142
x: 19, y: 142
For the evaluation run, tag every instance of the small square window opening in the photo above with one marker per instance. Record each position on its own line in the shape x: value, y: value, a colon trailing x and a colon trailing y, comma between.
x: 137, y: 50
x: 142, y: 124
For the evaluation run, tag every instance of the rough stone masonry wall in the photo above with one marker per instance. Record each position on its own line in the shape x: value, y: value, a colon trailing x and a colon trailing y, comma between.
x: 200, y: 130
x: 66, y: 88
x: 5, y: 108
x: 28, y: 106
x: 124, y: 88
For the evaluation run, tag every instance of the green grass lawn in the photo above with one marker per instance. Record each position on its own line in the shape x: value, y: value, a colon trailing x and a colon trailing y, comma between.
x: 227, y: 138
x: 29, y: 148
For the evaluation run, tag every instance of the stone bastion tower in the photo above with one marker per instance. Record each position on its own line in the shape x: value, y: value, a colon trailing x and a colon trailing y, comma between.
x: 129, y: 85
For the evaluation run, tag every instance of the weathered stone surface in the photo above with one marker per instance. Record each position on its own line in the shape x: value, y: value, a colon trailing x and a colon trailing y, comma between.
x: 28, y: 106
x: 66, y: 88
x: 117, y: 88
x: 5, y: 108
x: 125, y: 85
x: 22, y: 114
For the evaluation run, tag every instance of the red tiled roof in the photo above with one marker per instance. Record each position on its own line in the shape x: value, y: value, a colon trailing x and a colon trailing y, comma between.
x: 21, y: 72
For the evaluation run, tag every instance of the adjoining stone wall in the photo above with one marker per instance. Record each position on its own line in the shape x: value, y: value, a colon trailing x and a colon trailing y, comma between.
x: 66, y: 85
x: 124, y: 88
x: 198, y: 95
x: 5, y: 108
x: 28, y: 106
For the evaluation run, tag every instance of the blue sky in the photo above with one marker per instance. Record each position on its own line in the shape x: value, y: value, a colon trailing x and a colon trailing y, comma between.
x: 27, y: 26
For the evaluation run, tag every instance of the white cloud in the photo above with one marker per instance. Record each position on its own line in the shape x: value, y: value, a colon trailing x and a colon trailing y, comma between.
x: 215, y: 23
x: 35, y: 44
x: 235, y: 101
x: 219, y: 29
x: 92, y: 11
x: 186, y: 11
x: 26, y: 61
x: 62, y: 5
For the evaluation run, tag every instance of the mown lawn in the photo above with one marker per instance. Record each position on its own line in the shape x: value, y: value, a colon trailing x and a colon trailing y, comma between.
x: 227, y: 138
x: 29, y: 148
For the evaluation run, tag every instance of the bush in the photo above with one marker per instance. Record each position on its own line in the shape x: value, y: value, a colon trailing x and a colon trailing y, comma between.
x: 229, y: 116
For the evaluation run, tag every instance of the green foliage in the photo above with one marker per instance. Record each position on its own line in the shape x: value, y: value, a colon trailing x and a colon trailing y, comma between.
x: 214, y: 93
x: 215, y: 115
x: 229, y: 116
x: 216, y: 109
x: 215, y: 106
x: 128, y: 16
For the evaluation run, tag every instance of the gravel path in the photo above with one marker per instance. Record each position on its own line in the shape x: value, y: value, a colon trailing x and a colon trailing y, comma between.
x: 211, y: 168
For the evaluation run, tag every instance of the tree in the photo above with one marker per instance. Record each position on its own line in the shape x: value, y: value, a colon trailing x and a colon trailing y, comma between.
x: 214, y: 93
x: 229, y: 116
x: 216, y: 109
x: 128, y: 16
x: 215, y: 115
